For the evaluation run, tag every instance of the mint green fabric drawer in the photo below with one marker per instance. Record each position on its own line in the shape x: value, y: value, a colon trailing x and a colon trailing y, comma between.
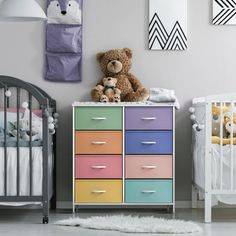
x: 98, y: 118
x: 148, y: 191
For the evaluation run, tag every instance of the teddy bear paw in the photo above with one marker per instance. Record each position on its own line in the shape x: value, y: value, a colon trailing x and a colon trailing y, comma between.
x: 104, y: 99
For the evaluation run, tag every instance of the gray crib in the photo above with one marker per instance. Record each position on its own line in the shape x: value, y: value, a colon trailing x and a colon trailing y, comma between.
x: 13, y: 93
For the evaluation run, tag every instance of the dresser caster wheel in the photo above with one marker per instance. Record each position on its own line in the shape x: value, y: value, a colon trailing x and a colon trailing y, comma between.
x: 45, y: 220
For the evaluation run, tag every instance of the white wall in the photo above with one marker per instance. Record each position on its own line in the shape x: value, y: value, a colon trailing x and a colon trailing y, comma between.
x: 207, y: 67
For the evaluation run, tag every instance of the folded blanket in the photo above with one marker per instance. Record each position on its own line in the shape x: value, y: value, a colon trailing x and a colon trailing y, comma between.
x: 163, y: 95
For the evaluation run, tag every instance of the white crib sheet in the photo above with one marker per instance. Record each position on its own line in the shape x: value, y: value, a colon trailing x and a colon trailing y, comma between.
x: 37, y: 173
x: 199, y: 173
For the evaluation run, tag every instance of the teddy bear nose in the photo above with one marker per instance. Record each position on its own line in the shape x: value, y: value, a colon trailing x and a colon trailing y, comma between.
x: 113, y: 63
x: 109, y: 79
x: 63, y: 12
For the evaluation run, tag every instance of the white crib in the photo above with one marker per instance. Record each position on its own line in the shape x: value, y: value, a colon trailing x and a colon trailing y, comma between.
x: 214, y: 163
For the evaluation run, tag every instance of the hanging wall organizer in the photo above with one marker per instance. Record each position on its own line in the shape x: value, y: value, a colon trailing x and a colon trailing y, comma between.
x: 167, y: 24
x: 64, y: 41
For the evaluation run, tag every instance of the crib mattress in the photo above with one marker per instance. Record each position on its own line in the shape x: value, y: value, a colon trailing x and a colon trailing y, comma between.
x: 199, y: 170
x: 24, y: 175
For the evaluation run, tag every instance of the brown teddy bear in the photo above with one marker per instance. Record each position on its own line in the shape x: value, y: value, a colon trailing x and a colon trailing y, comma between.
x: 109, y: 90
x: 117, y: 63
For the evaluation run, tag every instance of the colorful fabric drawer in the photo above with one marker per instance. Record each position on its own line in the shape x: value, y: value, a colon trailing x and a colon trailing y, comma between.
x: 149, y: 142
x: 148, y: 191
x: 98, y: 191
x: 98, y: 142
x: 98, y: 167
x: 152, y: 118
x: 148, y: 167
x: 98, y: 118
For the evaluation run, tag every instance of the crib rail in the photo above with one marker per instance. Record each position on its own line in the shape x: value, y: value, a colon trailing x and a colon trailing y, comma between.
x: 11, y: 90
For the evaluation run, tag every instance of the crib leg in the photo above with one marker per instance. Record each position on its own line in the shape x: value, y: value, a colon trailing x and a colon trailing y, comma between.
x: 208, y: 208
x: 194, y: 197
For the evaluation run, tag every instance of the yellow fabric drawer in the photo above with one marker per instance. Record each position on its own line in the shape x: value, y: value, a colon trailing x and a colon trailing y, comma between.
x: 98, y: 191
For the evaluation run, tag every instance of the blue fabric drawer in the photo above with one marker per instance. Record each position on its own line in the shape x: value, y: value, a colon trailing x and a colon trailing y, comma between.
x: 149, y: 142
x: 148, y: 191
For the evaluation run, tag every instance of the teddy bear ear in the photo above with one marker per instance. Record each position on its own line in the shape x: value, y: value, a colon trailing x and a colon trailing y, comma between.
x: 128, y: 52
x: 100, y: 55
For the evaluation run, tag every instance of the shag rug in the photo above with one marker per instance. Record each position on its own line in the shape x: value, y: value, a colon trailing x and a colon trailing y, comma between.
x: 133, y: 224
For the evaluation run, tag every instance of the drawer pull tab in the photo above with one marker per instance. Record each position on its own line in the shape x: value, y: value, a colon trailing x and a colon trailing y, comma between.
x: 149, y: 143
x: 99, y: 191
x: 99, y: 167
x: 99, y: 118
x: 149, y: 118
x: 98, y: 143
x: 149, y: 167
x: 149, y: 191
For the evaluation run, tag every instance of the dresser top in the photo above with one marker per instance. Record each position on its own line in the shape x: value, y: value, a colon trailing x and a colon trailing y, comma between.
x: 126, y: 104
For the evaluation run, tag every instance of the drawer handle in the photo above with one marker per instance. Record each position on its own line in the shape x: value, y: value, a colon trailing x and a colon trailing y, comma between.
x: 99, y: 118
x: 149, y: 143
x: 98, y: 143
x: 149, y: 118
x: 149, y: 191
x: 99, y: 191
x: 99, y: 167
x: 149, y: 167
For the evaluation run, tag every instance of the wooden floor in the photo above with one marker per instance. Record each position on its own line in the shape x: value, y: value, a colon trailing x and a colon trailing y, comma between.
x: 28, y: 223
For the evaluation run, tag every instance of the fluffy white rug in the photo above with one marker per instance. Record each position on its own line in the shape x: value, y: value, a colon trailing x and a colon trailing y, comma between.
x: 133, y: 224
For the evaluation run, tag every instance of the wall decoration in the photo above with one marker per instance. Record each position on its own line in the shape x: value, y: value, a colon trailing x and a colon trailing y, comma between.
x: 64, y: 41
x: 224, y: 12
x: 167, y: 24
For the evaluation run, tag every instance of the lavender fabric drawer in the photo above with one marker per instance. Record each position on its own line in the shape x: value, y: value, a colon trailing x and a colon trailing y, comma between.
x: 148, y: 142
x: 152, y: 118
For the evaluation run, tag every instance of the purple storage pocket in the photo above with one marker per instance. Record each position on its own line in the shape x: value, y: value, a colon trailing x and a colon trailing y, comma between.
x: 64, y: 38
x: 63, y: 67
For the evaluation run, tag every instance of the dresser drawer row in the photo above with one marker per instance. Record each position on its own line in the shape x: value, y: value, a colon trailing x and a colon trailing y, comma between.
x: 110, y: 167
x: 111, y: 118
x: 136, y: 142
x: 136, y: 191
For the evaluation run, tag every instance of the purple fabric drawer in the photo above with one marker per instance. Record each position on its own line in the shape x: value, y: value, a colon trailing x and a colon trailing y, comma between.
x: 151, y: 118
x: 148, y: 142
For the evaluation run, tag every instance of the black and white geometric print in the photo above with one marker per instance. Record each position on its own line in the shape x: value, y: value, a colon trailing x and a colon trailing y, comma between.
x: 168, y: 25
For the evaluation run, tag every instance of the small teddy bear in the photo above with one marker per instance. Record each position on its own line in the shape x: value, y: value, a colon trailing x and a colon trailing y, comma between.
x: 110, y: 92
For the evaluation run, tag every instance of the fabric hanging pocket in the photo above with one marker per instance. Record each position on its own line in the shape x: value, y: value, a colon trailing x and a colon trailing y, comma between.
x: 63, y: 67
x: 64, y: 38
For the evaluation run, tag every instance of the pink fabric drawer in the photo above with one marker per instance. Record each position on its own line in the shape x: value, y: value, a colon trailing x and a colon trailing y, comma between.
x: 98, y: 167
x: 146, y: 166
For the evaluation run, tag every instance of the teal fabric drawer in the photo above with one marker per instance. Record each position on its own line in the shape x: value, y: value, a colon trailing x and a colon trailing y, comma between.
x: 148, y: 191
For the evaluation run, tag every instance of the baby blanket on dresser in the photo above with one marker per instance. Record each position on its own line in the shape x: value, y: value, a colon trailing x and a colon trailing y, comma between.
x: 64, y: 40
x: 163, y: 95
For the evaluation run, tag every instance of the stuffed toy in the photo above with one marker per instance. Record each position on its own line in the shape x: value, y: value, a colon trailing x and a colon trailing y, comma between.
x: 226, y: 127
x: 117, y: 64
x: 227, y: 124
x: 110, y: 92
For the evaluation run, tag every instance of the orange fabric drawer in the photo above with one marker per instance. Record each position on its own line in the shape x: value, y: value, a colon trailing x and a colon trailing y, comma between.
x: 148, y: 167
x: 98, y: 142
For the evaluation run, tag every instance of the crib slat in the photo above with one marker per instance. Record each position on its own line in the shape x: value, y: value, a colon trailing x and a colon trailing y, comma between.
x: 221, y: 146
x: 231, y: 146
x: 17, y: 139
x: 30, y: 142
x: 5, y: 142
